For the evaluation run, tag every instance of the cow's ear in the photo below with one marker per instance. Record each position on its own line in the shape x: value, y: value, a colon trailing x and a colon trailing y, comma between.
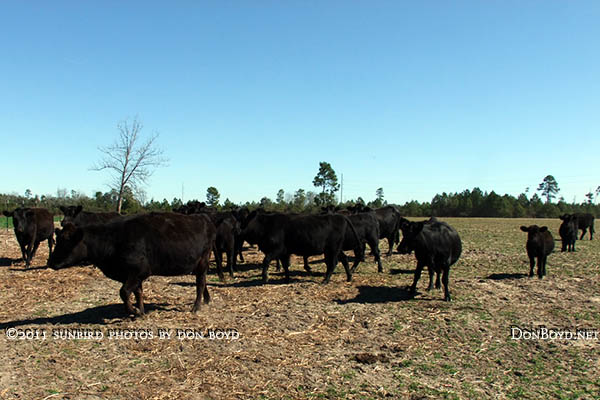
x: 524, y: 228
x: 78, y: 209
x: 543, y: 229
x: 7, y: 213
x: 63, y: 209
x: 562, y: 217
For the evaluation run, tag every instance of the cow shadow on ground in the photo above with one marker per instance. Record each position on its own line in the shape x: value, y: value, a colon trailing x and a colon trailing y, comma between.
x: 7, y: 262
x: 275, y: 278
x: 396, y: 271
x: 101, y: 315
x: 380, y: 294
x: 502, y: 276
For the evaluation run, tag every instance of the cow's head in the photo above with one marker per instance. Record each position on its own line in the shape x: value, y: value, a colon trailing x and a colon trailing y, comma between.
x: 21, y: 217
x: 70, y: 248
x: 70, y: 213
x: 410, y: 231
x: 533, y: 230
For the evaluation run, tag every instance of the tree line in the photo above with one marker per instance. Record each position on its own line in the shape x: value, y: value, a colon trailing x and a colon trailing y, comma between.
x: 468, y: 203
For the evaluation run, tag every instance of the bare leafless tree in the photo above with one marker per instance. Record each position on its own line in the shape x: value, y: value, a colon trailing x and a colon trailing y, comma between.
x: 130, y: 163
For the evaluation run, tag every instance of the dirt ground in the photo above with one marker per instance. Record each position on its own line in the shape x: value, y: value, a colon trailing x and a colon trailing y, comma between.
x: 304, y: 340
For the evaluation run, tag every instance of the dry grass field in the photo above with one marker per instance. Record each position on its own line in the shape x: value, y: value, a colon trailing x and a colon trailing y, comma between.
x: 304, y: 340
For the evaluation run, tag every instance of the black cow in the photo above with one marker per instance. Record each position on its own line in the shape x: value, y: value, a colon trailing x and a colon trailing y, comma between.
x: 436, y: 245
x: 132, y: 248
x: 32, y: 226
x: 430, y: 270
x: 540, y: 244
x: 76, y: 216
x: 280, y: 235
x: 389, y: 225
x: 241, y: 214
x: 585, y: 221
x: 228, y: 232
x: 367, y: 228
x: 568, y: 232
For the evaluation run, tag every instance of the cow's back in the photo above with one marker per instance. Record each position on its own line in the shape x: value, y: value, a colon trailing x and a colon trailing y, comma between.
x: 584, y: 220
x: 85, y: 218
x: 165, y: 243
x: 440, y: 241
x: 312, y: 234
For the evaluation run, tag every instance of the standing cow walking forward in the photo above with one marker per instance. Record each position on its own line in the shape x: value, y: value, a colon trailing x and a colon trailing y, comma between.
x: 540, y: 244
x: 32, y: 226
x: 280, y: 235
x: 130, y: 249
x: 436, y: 245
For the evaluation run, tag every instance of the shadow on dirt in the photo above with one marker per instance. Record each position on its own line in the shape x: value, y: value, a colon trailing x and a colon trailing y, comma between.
x: 379, y: 294
x: 7, y: 262
x: 100, y: 315
x: 275, y: 278
x: 396, y: 271
x: 499, y: 277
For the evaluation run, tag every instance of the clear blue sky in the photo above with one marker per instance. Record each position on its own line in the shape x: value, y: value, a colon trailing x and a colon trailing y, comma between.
x: 248, y: 96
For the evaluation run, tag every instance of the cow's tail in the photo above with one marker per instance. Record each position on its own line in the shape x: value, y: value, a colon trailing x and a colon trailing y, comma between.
x: 359, y: 250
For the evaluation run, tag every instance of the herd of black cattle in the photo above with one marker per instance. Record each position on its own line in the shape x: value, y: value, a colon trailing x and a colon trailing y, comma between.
x: 129, y: 249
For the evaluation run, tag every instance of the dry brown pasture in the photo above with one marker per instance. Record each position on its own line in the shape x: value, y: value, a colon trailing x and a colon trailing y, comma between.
x: 304, y: 340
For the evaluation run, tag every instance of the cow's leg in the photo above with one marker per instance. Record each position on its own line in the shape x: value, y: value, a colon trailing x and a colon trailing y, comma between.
x: 306, y: 266
x: 36, y: 244
x: 201, y: 288
x: 219, y: 261
x: 583, y: 234
x: 239, y: 249
x: 330, y: 261
x: 376, y: 254
x: 431, y: 274
x: 390, y: 240
x: 29, y: 251
x: 445, y: 275
x: 540, y: 267
x: 139, y: 298
x: 544, y: 269
x: 531, y: 265
x: 357, y: 260
x: 230, y: 259
x: 23, y: 251
x: 418, y: 271
x: 344, y: 261
x: 265, y: 265
x: 50, y: 244
x: 285, y: 261
x: 129, y: 286
x: 277, y: 265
